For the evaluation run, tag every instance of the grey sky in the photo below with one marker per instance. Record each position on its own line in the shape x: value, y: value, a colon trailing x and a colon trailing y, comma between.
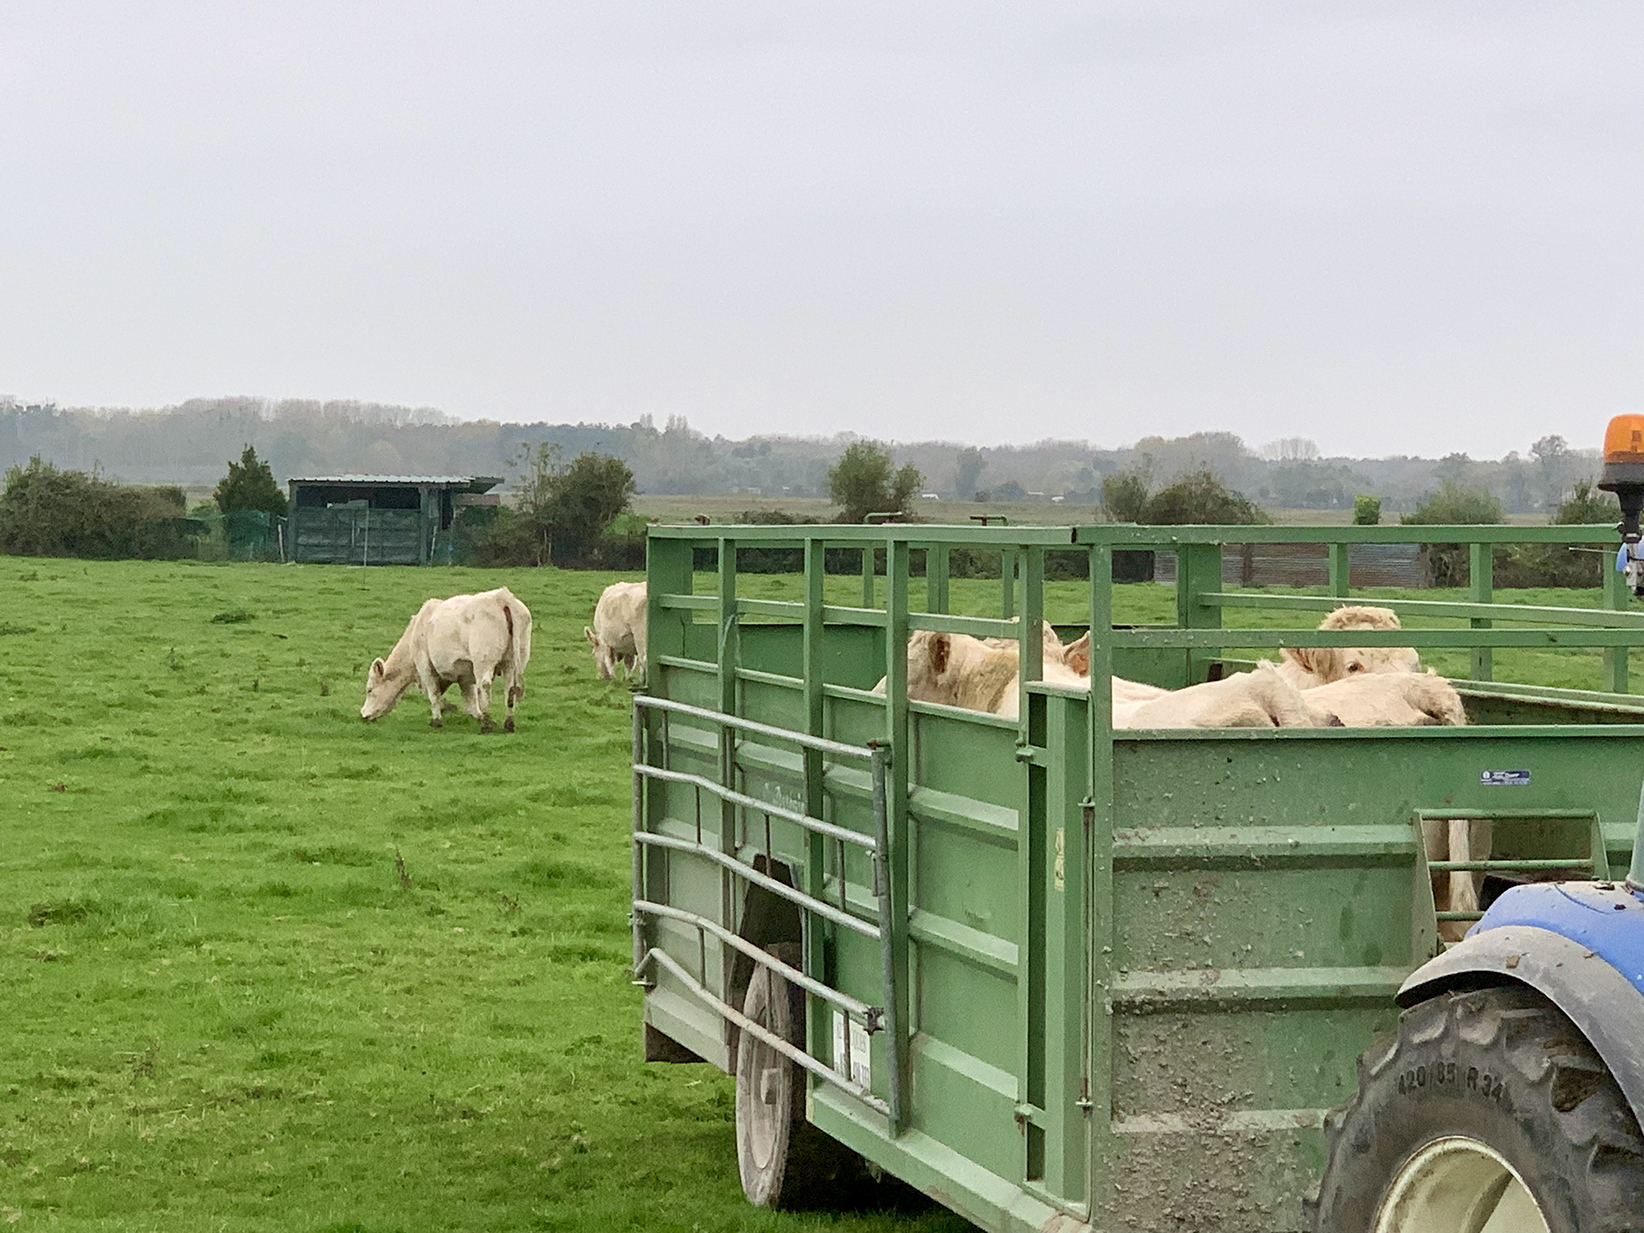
x: 1396, y: 228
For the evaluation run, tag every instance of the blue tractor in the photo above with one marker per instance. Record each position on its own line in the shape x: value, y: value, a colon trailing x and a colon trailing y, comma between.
x: 1510, y: 1098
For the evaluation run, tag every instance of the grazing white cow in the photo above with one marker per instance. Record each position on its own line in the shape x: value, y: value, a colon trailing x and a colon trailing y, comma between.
x: 465, y: 641
x: 618, y: 631
x: 1308, y: 667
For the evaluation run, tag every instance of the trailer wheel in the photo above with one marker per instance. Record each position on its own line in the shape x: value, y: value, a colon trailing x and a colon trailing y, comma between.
x: 783, y: 1159
x: 1488, y: 1112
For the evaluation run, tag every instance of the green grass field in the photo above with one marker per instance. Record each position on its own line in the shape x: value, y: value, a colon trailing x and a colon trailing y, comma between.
x: 269, y: 967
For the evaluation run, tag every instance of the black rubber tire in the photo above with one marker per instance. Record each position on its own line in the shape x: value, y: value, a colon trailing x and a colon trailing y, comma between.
x: 785, y: 1162
x: 1505, y: 1068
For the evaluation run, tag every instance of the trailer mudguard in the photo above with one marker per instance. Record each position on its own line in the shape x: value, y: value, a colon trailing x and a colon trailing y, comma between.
x: 1580, y: 945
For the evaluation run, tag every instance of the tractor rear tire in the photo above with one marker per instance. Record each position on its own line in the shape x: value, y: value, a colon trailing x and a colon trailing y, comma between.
x: 785, y: 1162
x: 1487, y: 1112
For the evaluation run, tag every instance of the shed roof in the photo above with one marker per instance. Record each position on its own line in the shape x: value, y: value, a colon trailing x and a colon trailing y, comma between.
x: 472, y: 483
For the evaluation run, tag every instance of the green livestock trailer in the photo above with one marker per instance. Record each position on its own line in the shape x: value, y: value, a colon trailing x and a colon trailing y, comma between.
x: 1057, y: 976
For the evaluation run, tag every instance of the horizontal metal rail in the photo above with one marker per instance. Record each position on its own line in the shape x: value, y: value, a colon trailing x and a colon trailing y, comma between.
x: 1125, y: 535
x: 821, y: 744
x: 816, y: 825
x: 1523, y: 614
x: 1224, y: 637
x: 870, y: 1015
x: 845, y: 535
x: 1507, y: 866
x: 977, y: 627
x: 791, y: 1052
x: 776, y: 887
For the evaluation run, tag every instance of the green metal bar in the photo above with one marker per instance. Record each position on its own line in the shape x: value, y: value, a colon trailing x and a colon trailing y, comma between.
x: 877, y: 536
x: 1007, y: 582
x: 867, y: 577
x: 1129, y: 535
x: 1340, y: 570
x: 1617, y: 596
x: 1219, y: 638
x: 898, y: 828
x: 668, y: 574
x: 791, y: 609
x: 1481, y: 565
x: 1098, y: 822
x: 815, y: 935
x: 687, y: 603
x: 977, y: 627
x: 936, y: 578
x: 1198, y: 570
x: 730, y: 659
x: 1458, y: 609
x: 1032, y: 644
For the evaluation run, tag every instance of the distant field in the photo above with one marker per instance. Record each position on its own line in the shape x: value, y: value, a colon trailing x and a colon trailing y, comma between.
x: 226, y: 1010
x: 724, y: 508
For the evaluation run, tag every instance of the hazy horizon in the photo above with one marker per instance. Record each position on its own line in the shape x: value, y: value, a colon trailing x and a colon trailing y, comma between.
x: 1408, y: 230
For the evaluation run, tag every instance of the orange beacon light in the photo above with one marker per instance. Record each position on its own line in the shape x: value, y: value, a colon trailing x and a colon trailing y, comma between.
x: 1623, y: 474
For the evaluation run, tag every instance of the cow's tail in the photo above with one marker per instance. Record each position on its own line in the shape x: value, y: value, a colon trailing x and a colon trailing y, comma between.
x: 519, y: 650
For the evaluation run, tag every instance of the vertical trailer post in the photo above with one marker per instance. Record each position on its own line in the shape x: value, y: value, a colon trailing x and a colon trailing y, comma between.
x: 1617, y: 595
x: 815, y: 931
x: 895, y: 1049
x: 1340, y: 570
x: 1007, y: 582
x: 730, y: 657
x: 867, y: 577
x: 936, y: 578
x: 1033, y: 615
x: 896, y: 804
x: 1198, y: 570
x: 635, y: 918
x: 1097, y: 1099
x: 1481, y: 576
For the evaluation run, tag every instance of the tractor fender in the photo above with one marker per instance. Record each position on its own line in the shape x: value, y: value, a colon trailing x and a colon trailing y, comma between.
x: 1603, y: 1004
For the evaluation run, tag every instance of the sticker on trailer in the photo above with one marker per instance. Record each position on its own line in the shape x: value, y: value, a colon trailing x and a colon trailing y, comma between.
x: 1504, y: 779
x: 861, y: 1069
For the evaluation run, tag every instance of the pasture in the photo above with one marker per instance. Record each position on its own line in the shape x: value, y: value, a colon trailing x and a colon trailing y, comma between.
x: 269, y: 967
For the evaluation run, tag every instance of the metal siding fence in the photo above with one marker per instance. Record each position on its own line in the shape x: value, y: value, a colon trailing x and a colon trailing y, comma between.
x: 1308, y: 565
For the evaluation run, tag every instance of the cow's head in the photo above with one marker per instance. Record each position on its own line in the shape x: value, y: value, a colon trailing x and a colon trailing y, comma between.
x: 381, y: 693
x: 1336, y: 663
x: 604, y: 661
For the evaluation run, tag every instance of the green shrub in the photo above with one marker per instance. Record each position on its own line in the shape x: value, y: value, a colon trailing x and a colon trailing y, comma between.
x: 50, y: 513
x: 1454, y: 504
x: 1366, y: 510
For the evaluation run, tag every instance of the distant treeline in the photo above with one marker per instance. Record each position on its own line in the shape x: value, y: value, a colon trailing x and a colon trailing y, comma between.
x: 186, y: 444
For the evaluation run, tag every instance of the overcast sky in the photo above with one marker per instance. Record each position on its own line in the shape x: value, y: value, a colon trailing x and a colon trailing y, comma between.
x: 1394, y: 228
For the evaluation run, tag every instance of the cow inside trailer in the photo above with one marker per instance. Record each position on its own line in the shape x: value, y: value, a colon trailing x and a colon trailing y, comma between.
x: 1045, y: 970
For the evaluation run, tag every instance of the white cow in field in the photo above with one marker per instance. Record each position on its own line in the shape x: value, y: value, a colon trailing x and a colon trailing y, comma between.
x: 464, y: 641
x: 618, y: 631
x: 1308, y: 667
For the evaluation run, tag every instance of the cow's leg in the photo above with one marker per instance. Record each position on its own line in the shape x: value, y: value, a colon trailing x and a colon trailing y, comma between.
x: 434, y: 690
x: 482, y: 698
x: 470, y: 699
x: 639, y: 650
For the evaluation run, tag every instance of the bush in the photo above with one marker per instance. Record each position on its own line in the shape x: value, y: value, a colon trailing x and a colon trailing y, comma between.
x: 1366, y: 510
x: 1124, y: 496
x: 1200, y: 498
x: 249, y: 484
x: 564, y: 514
x: 52, y: 513
x: 863, y: 483
x: 1556, y: 565
x: 1454, y: 504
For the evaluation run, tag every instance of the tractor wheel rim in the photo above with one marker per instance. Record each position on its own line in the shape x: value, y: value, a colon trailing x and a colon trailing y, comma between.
x: 1459, y: 1185
x: 761, y: 1114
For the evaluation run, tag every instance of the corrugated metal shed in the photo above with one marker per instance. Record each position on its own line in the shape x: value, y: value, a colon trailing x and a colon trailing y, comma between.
x: 379, y: 519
